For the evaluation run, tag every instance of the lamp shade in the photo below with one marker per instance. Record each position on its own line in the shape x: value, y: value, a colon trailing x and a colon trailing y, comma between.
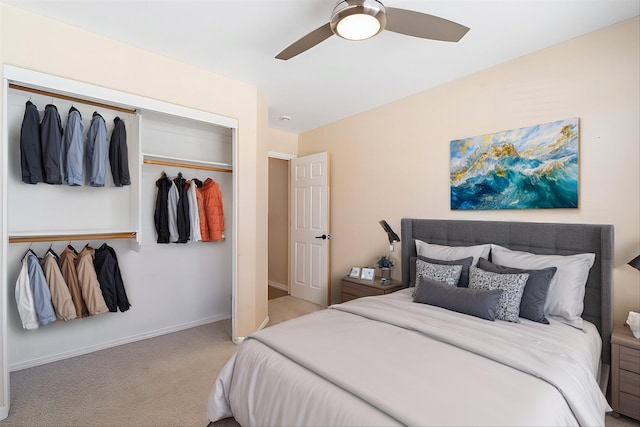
x: 635, y: 263
x: 393, y: 237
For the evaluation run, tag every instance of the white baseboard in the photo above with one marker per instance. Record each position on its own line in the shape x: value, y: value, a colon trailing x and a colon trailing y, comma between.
x: 277, y: 285
x: 264, y: 323
x: 102, y: 346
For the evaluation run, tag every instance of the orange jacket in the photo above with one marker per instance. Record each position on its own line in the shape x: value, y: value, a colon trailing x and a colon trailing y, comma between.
x: 210, y: 211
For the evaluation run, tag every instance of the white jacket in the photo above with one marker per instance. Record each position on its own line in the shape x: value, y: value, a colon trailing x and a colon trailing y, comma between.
x: 24, y: 298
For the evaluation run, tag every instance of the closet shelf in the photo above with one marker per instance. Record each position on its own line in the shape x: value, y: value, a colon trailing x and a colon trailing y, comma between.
x: 158, y: 159
x: 33, y: 238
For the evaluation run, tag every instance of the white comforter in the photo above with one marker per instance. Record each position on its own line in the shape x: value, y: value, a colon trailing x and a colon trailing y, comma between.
x: 388, y: 361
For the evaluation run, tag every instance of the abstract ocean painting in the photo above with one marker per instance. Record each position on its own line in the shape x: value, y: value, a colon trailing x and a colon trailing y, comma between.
x: 528, y: 168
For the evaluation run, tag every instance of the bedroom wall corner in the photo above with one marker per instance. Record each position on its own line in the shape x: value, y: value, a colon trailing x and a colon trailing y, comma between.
x: 393, y: 161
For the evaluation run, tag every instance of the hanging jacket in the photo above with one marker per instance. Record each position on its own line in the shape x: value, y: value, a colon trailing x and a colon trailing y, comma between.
x: 73, y: 149
x: 24, y: 298
x: 51, y: 145
x: 97, y: 151
x: 40, y: 290
x: 60, y: 296
x: 70, y: 276
x: 161, y: 213
x: 182, y: 211
x: 118, y: 154
x: 30, y: 149
x: 211, y: 211
x: 111, y: 284
x: 194, y: 217
x: 174, y: 195
x: 89, y: 285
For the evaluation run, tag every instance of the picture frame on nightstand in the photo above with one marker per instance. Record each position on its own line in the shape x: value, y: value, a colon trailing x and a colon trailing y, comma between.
x: 368, y: 274
x: 355, y: 272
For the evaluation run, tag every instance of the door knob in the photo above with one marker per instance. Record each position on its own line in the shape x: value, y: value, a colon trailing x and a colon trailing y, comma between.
x: 324, y: 237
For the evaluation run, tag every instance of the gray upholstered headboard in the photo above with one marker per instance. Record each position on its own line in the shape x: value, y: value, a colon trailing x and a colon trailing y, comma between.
x: 538, y: 238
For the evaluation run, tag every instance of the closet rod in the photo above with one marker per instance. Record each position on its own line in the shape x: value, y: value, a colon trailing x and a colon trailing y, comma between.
x: 70, y: 237
x: 71, y: 98
x: 186, y: 165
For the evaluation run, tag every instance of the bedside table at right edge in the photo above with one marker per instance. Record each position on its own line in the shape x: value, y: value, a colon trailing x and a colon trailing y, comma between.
x: 625, y: 372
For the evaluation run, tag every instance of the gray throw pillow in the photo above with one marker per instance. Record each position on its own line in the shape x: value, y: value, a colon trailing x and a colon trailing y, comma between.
x: 464, y: 262
x: 475, y: 302
x: 535, y: 291
x: 512, y: 286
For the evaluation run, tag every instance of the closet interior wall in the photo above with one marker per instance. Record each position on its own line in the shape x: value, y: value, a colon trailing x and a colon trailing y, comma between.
x: 170, y: 286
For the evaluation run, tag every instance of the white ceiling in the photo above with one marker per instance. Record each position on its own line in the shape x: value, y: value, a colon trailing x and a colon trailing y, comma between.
x: 337, y: 78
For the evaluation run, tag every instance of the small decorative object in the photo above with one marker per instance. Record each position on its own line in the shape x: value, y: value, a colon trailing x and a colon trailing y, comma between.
x: 634, y: 318
x: 368, y: 273
x: 384, y: 264
x: 528, y: 168
x: 355, y: 272
x: 634, y: 323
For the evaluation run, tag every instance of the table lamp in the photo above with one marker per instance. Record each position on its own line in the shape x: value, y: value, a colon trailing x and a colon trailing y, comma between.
x: 634, y: 318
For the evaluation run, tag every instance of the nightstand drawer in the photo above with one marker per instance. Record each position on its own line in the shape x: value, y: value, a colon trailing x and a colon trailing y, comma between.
x: 630, y: 359
x: 359, y: 291
x: 630, y: 405
x: 630, y: 383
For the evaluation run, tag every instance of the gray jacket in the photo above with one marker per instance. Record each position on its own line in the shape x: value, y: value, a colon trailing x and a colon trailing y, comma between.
x: 97, y: 151
x: 73, y: 149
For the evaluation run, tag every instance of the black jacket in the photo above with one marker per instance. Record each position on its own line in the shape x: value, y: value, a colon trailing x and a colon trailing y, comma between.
x: 51, y: 140
x: 118, y: 154
x: 161, y: 214
x: 30, y: 150
x: 184, y: 224
x: 111, y: 285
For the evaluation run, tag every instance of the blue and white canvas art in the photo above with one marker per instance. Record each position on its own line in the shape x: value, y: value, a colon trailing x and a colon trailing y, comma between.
x: 528, y: 168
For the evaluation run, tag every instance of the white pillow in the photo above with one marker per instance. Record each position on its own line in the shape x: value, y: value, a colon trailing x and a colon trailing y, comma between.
x: 565, y: 300
x: 451, y: 253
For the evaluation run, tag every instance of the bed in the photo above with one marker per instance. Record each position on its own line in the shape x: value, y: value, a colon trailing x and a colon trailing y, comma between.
x: 387, y: 360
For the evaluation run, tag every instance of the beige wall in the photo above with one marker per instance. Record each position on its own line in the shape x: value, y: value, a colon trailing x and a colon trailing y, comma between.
x: 33, y: 42
x: 282, y: 142
x: 393, y: 161
x: 279, y: 221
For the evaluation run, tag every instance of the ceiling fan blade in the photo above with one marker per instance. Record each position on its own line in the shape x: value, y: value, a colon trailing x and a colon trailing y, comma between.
x: 422, y: 25
x: 307, y: 42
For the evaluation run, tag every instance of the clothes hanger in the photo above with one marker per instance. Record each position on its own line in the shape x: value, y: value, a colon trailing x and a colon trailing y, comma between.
x: 30, y: 251
x: 52, y: 252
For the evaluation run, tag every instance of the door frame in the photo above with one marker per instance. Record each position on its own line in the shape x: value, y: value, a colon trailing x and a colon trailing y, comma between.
x: 287, y: 157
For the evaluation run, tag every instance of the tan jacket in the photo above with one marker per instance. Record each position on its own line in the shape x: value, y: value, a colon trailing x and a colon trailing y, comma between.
x: 89, y: 284
x: 60, y: 296
x: 68, y: 270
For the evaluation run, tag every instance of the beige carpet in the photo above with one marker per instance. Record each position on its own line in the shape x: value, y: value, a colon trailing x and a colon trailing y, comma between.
x: 163, y: 381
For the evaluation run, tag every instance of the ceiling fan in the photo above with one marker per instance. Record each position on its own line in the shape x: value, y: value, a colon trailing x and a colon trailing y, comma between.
x: 363, y: 19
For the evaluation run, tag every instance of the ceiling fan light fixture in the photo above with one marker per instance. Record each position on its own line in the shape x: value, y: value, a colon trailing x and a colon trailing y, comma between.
x: 358, y: 19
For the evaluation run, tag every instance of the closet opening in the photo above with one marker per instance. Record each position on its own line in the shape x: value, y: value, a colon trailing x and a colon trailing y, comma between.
x: 161, y: 138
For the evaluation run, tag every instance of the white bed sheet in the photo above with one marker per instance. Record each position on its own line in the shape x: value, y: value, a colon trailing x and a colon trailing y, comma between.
x: 443, y: 384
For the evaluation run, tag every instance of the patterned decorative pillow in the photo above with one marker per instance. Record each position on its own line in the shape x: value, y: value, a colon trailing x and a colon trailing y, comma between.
x: 449, y: 274
x: 512, y: 286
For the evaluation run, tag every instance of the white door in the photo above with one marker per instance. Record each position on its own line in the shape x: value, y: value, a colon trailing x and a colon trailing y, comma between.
x: 310, y: 231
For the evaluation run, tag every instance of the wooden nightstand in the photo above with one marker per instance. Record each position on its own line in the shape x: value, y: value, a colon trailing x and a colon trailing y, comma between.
x: 625, y: 375
x: 356, y: 288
